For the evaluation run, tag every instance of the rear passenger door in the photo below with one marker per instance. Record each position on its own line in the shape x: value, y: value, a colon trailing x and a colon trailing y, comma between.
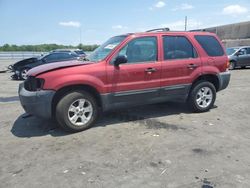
x: 180, y: 61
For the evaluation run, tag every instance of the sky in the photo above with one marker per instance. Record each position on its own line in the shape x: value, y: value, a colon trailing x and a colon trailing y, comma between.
x: 70, y: 22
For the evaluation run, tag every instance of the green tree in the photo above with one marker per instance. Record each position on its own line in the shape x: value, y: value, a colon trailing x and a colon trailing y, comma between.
x: 45, y: 47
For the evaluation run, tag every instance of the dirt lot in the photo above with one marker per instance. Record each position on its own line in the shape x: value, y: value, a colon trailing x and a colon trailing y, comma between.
x: 160, y: 145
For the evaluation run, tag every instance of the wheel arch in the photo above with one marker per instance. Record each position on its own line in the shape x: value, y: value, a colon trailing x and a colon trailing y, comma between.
x: 78, y: 87
x: 210, y: 78
x: 233, y: 61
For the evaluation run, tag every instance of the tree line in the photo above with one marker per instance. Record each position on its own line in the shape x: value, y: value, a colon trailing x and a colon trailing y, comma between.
x: 45, y: 47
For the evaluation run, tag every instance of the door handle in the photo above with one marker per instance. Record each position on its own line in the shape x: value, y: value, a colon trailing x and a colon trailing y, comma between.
x: 150, y: 70
x: 192, y: 66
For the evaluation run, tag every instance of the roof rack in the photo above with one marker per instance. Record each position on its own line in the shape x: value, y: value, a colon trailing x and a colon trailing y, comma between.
x: 197, y: 30
x: 159, y: 30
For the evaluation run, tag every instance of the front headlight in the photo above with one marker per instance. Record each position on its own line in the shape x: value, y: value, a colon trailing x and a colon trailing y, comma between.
x: 33, y: 83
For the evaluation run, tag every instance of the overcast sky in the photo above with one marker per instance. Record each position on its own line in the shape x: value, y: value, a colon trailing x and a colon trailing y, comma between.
x: 62, y: 21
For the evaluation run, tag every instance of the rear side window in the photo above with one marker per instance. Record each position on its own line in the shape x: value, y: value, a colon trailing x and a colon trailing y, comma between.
x: 178, y: 47
x: 210, y: 44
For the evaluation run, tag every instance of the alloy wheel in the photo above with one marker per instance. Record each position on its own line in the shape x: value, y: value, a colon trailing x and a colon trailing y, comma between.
x: 80, y: 112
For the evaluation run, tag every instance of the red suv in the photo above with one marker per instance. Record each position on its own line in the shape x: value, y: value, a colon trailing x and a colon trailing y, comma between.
x: 128, y: 70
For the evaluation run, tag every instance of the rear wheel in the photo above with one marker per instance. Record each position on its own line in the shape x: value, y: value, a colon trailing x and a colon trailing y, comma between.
x: 202, y: 96
x: 76, y: 111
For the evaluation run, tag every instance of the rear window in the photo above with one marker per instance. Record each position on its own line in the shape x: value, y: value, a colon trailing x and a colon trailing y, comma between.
x: 210, y: 44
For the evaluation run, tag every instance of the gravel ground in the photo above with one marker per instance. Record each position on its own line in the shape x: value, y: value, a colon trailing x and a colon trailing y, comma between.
x: 162, y: 145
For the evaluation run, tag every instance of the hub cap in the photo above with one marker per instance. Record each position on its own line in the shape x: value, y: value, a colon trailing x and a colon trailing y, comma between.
x: 24, y: 74
x: 231, y: 66
x: 80, y: 112
x: 204, y: 97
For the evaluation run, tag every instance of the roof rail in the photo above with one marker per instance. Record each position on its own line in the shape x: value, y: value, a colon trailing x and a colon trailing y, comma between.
x: 159, y: 30
x: 201, y: 30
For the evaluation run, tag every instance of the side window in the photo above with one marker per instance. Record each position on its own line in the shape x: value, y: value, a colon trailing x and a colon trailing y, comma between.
x: 140, y: 50
x: 242, y: 52
x: 210, y: 44
x: 65, y: 56
x: 51, y: 57
x: 178, y: 47
x: 248, y: 51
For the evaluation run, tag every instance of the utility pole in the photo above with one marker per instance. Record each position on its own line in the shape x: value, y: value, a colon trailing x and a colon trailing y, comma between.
x: 185, y: 23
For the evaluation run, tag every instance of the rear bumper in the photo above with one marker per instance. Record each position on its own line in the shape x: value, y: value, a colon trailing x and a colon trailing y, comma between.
x: 37, y: 103
x: 224, y: 79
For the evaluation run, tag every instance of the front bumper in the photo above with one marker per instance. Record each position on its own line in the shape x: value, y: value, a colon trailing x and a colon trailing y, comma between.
x: 224, y: 79
x: 37, y: 103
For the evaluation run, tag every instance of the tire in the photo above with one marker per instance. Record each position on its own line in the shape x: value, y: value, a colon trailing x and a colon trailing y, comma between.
x: 243, y: 67
x: 23, y: 73
x: 76, y: 111
x: 232, y: 65
x: 199, y: 103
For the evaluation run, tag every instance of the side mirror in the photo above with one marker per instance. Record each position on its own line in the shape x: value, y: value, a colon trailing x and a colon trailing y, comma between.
x: 121, y: 59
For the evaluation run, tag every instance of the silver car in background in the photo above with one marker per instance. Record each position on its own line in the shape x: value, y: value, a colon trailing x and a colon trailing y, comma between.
x: 239, y: 57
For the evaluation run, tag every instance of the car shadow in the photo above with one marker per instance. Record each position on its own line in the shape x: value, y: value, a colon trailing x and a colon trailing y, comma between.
x: 30, y: 126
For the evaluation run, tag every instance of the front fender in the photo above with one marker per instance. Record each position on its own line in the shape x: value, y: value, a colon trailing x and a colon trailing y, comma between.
x: 74, y: 79
x: 233, y: 58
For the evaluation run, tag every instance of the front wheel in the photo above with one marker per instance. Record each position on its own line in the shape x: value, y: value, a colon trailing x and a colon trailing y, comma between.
x: 76, y: 111
x: 232, y: 65
x: 23, y: 74
x: 202, y: 96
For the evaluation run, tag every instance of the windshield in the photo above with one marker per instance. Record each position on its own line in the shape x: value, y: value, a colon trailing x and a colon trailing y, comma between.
x: 42, y: 56
x: 231, y: 51
x: 104, y: 50
x: 79, y: 52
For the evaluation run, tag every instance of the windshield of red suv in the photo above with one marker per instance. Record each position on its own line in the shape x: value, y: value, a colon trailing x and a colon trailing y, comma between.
x: 104, y: 50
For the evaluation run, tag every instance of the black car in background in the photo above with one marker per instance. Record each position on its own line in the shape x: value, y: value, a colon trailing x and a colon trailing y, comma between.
x: 21, y: 68
x: 79, y: 52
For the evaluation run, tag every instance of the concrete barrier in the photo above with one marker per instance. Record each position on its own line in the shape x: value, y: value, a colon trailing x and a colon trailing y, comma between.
x: 233, y: 34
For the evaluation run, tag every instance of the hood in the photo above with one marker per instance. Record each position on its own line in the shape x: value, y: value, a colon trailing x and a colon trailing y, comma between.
x: 53, y: 66
x: 25, y: 62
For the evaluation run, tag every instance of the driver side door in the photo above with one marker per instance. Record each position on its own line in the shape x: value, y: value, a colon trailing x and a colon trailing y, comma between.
x: 242, y: 57
x: 138, y: 80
